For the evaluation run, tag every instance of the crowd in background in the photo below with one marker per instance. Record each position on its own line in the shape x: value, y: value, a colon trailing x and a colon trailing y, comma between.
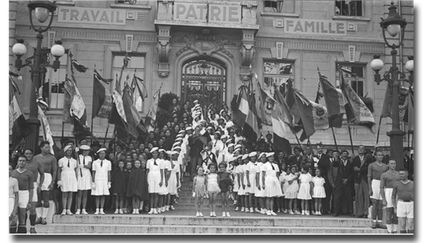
x: 204, y: 145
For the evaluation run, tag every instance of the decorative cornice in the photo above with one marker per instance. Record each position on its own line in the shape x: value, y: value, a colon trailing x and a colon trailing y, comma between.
x: 128, y: 6
x: 319, y: 45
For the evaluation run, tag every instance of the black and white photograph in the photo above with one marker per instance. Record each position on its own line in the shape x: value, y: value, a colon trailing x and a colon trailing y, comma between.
x: 212, y: 117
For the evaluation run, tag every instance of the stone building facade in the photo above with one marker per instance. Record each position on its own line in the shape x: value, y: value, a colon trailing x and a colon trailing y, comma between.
x: 206, y: 49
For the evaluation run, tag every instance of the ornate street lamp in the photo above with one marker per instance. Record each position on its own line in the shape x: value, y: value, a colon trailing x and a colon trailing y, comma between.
x: 39, y: 13
x: 393, y: 29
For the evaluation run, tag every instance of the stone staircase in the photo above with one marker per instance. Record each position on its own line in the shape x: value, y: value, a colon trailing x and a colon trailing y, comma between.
x: 182, y: 221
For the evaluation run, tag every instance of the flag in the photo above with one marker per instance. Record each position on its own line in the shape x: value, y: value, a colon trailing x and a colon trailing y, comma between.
x: 74, y: 106
x: 266, y: 103
x: 357, y: 111
x: 334, y: 102
x: 280, y: 128
x: 17, y: 122
x: 78, y: 66
x: 251, y: 129
x: 305, y: 110
x: 240, y: 108
x: 103, y: 109
x: 134, y: 123
x: 46, y: 130
x: 320, y: 116
x: 154, y: 108
x: 138, y: 93
x: 386, y: 109
x: 409, y: 116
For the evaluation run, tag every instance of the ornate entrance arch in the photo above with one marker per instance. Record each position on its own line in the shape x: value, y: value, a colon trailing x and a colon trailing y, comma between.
x: 204, y: 79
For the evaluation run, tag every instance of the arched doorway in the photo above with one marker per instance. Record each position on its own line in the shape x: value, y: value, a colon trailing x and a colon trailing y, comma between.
x: 204, y: 79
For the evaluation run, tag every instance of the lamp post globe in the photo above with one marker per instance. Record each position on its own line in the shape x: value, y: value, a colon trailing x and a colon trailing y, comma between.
x: 41, y: 14
x: 19, y: 49
x: 377, y: 64
x: 57, y: 50
x: 394, y: 29
x: 409, y: 65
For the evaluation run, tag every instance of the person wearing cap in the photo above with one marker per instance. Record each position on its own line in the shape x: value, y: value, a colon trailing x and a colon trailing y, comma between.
x: 271, y: 183
x: 207, y: 157
x: 49, y: 167
x: 101, y: 177
x: 250, y: 174
x: 154, y: 176
x: 174, y: 178
x: 67, y: 180
x: 165, y: 169
x: 84, y: 179
x: 241, y: 170
x: 259, y: 191
x: 236, y: 161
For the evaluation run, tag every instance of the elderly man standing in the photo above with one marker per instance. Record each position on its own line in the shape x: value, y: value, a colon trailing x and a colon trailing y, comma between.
x: 360, y: 165
x: 404, y: 206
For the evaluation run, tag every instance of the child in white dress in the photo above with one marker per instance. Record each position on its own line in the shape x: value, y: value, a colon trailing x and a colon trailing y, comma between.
x: 291, y: 190
x: 83, y: 178
x: 67, y: 179
x: 318, y: 191
x: 304, y: 193
x: 101, y: 176
x: 212, y: 188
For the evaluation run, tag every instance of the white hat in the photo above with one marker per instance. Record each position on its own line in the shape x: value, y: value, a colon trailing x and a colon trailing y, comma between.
x: 174, y: 152
x: 161, y: 150
x: 101, y: 149
x: 67, y: 147
x: 189, y: 128
x: 237, y: 146
x: 233, y: 158
x: 182, y: 131
x: 245, y: 156
x: 252, y: 154
x: 176, y: 143
x: 270, y: 154
x: 179, y: 135
x: 155, y: 149
x: 230, y: 145
x: 195, y: 101
x: 176, y: 147
x: 178, y: 139
x: 84, y: 147
x: 262, y: 154
x: 236, y: 150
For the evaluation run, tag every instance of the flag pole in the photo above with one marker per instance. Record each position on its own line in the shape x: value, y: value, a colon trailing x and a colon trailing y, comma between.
x: 351, y: 140
x: 334, y: 138
x: 91, y: 125
x: 379, y: 128
x: 106, y: 133
x: 62, y: 134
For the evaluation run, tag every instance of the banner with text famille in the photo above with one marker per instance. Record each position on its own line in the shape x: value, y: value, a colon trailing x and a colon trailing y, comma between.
x: 315, y: 27
x: 91, y: 15
x: 215, y: 13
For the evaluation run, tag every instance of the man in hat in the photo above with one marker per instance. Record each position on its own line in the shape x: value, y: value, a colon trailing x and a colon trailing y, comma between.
x: 101, y: 178
x: 49, y: 167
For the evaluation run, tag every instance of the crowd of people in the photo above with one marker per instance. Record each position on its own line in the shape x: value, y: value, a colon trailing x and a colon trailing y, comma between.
x: 143, y: 176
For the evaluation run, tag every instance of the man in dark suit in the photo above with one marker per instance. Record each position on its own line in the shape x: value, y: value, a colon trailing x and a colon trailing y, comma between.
x: 296, y: 158
x: 324, y: 166
x: 360, y: 165
x: 343, y: 186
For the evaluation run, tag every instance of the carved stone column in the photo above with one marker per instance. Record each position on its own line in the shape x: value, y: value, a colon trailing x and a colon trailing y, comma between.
x: 248, y: 47
x: 163, y: 47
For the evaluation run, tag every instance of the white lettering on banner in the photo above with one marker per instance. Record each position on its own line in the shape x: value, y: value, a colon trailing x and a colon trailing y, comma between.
x: 313, y: 26
x: 91, y: 15
x: 211, y: 13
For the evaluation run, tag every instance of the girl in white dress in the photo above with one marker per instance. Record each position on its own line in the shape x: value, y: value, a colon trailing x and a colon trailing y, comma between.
x: 259, y: 181
x: 67, y: 179
x: 304, y: 193
x: 284, y: 184
x: 318, y: 191
x: 212, y: 188
x: 250, y: 181
x: 174, y: 179
x: 83, y: 178
x: 101, y: 176
x: 154, y: 177
x: 241, y: 181
x: 162, y: 191
x: 271, y: 184
x: 291, y: 190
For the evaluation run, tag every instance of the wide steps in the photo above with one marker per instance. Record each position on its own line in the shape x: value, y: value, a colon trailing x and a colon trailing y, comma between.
x: 237, y: 220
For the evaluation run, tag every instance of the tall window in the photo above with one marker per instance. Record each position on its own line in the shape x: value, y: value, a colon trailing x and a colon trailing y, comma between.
x: 53, y: 87
x: 278, y: 71
x: 354, y: 74
x: 349, y: 8
x: 135, y: 66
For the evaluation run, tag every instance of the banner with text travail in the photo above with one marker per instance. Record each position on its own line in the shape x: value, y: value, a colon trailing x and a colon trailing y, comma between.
x: 91, y: 15
x: 314, y: 26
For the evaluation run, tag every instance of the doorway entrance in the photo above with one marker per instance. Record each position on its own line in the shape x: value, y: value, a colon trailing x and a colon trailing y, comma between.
x: 204, y: 79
